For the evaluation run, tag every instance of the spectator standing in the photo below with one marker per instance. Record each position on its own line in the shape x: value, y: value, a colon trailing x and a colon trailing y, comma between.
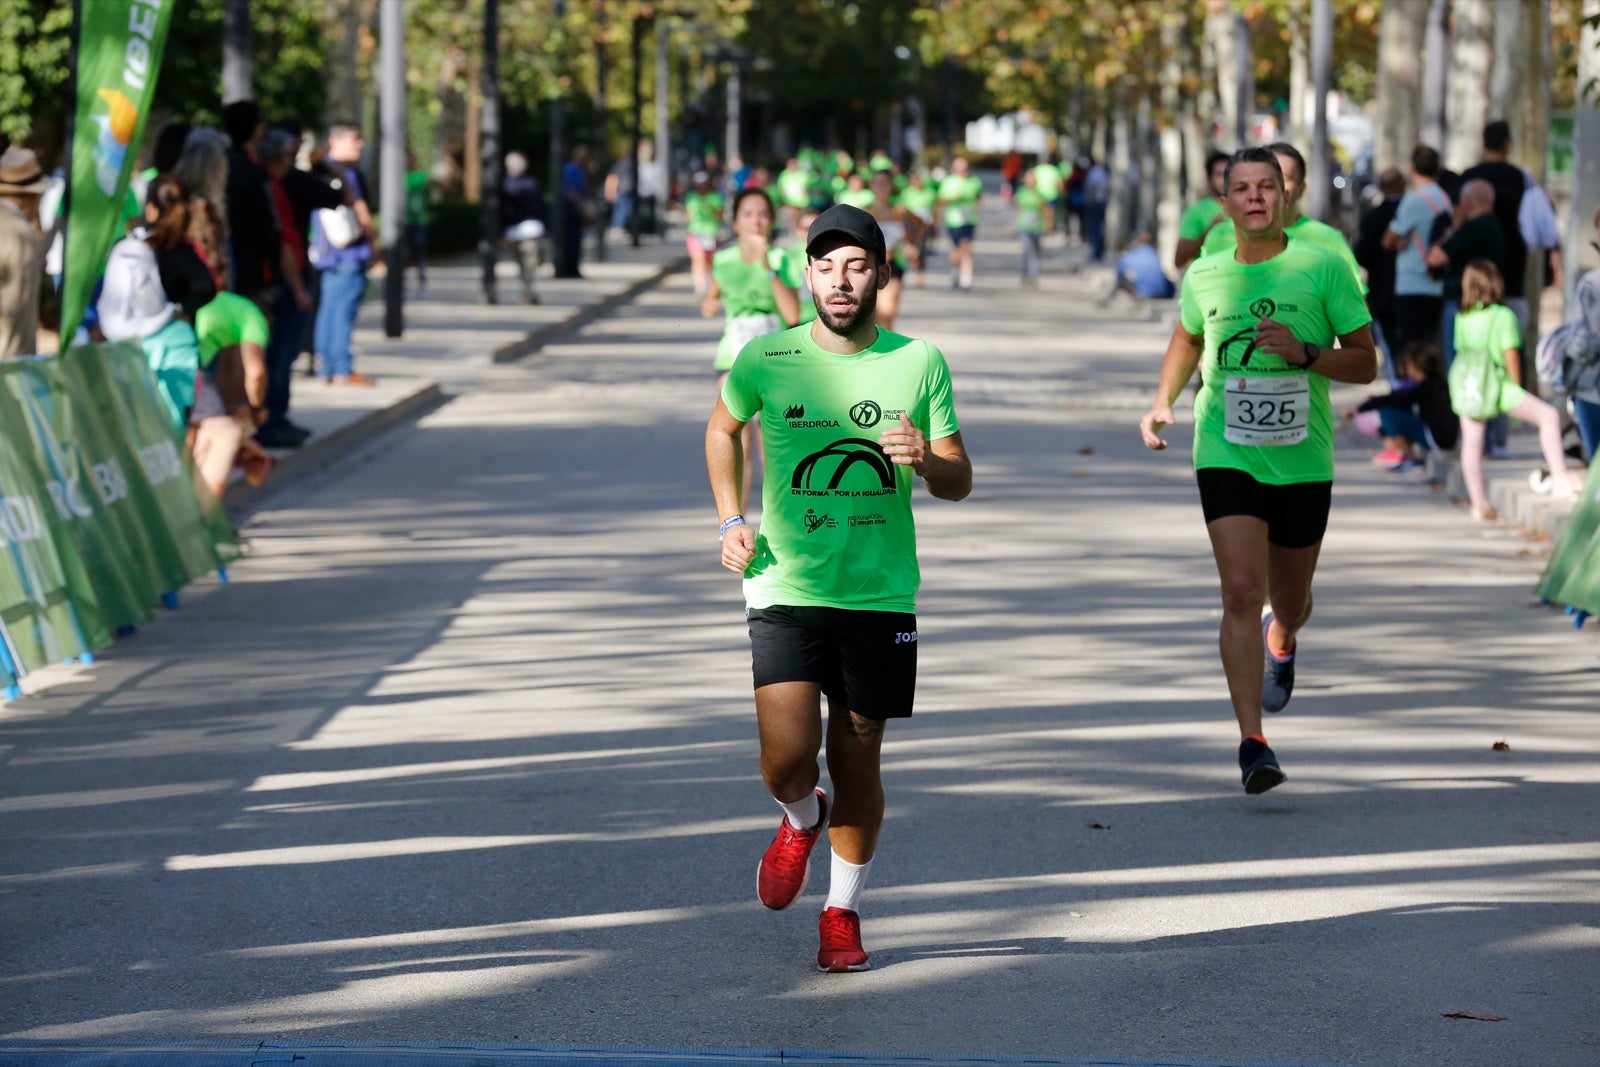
x: 1096, y: 193
x: 574, y: 202
x: 1526, y: 218
x: 202, y: 169
x: 524, y: 215
x: 341, y: 248
x: 1418, y: 294
x: 1484, y: 383
x: 22, y: 250
x: 254, y: 229
x: 1573, y: 354
x: 1474, y: 233
x: 1375, y: 257
x: 619, y: 192
x: 292, y: 302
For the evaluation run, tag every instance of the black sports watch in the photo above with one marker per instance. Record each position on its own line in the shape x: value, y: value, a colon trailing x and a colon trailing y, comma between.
x: 1312, y: 352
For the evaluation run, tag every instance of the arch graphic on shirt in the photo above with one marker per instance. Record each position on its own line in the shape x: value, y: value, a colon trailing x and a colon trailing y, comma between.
x: 840, y: 457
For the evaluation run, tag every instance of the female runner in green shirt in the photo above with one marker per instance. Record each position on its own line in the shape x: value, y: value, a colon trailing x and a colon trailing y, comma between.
x: 750, y: 283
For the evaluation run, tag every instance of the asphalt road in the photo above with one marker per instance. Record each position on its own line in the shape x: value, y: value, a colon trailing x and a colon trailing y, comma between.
x: 465, y: 753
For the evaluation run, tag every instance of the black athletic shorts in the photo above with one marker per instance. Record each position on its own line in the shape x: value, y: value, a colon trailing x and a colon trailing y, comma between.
x: 865, y: 661
x: 896, y: 270
x: 1296, y: 515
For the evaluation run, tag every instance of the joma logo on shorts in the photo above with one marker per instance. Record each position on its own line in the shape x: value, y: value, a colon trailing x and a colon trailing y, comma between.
x: 906, y: 638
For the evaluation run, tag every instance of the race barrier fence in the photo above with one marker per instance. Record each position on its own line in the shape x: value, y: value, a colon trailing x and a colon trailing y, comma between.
x: 101, y: 516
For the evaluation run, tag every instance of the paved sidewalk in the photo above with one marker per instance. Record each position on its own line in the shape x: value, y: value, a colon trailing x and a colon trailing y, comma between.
x: 452, y: 341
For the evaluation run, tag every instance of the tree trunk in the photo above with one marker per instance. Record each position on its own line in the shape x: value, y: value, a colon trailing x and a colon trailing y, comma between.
x: 1118, y: 201
x: 1579, y: 254
x: 1299, y: 73
x: 1220, y: 44
x: 1436, y: 74
x: 1471, y: 51
x: 1244, y: 73
x: 1196, y: 133
x: 1169, y: 205
x: 344, y: 61
x: 1319, y: 187
x: 1401, y: 31
x: 1519, y: 92
x: 1149, y: 149
x: 236, y: 51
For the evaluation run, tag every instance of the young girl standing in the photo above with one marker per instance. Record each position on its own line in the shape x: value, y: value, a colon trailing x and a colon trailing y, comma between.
x: 1483, y: 384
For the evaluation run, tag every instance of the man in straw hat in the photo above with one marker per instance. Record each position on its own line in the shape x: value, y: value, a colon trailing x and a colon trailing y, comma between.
x: 22, y: 247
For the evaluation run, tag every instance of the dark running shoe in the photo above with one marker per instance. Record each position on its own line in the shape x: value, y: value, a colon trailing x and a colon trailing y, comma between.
x: 1259, y: 767
x: 1278, y: 683
x: 841, y: 950
x: 786, y: 864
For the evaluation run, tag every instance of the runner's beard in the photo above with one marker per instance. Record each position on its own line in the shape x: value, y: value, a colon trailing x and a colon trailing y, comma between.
x: 866, y: 310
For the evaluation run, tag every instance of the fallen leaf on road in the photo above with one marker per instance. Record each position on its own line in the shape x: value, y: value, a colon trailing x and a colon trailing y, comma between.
x: 1086, y: 450
x: 1502, y: 746
x: 1083, y: 474
x: 1481, y: 1016
x: 1099, y: 826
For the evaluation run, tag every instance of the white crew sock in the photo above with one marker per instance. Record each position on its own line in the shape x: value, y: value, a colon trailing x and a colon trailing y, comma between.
x: 845, y: 883
x: 803, y: 813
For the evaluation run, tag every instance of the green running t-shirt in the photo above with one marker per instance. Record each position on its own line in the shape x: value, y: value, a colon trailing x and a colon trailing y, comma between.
x: 919, y: 201
x: 836, y: 527
x: 1304, y: 228
x: 1255, y: 412
x: 1030, y: 210
x: 861, y: 198
x: 794, y: 187
x: 746, y: 292
x: 1197, y: 216
x: 1048, y: 180
x: 416, y: 198
x: 961, y: 200
x: 229, y: 319
x: 705, y: 213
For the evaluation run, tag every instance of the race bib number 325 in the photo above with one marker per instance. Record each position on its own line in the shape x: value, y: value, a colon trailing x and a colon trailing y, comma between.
x: 1266, y: 411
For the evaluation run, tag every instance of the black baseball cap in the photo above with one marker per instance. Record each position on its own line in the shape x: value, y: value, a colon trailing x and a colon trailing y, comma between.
x: 846, y: 221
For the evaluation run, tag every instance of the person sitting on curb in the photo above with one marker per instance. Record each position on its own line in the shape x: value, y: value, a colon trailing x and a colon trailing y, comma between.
x: 1139, y: 273
x: 1416, y: 415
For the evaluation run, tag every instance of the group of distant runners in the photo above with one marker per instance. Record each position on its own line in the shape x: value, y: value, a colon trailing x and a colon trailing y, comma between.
x: 853, y: 414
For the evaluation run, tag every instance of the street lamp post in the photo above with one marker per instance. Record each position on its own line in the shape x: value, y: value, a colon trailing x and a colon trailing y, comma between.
x: 392, y: 163
x: 489, y: 150
x: 1317, y: 191
x: 636, y: 129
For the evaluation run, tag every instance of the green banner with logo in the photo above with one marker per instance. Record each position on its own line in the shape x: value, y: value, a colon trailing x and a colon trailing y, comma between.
x: 100, y: 509
x: 119, y: 55
x: 1572, y: 576
x: 37, y: 609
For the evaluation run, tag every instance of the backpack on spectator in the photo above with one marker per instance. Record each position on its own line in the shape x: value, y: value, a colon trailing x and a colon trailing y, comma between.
x: 133, y: 305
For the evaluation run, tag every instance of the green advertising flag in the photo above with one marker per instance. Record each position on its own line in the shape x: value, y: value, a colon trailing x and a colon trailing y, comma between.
x: 1572, y: 576
x: 119, y: 55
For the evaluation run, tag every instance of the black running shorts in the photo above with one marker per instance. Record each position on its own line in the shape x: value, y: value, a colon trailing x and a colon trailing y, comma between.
x: 1296, y: 515
x: 865, y: 661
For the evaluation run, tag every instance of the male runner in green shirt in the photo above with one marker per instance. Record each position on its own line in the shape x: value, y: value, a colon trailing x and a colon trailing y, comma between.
x: 1296, y: 227
x: 959, y: 194
x: 1264, y: 318
x: 851, y: 413
x: 1203, y: 216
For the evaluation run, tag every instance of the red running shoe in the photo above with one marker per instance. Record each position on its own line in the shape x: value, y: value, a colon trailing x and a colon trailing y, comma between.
x: 841, y: 942
x: 786, y: 864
